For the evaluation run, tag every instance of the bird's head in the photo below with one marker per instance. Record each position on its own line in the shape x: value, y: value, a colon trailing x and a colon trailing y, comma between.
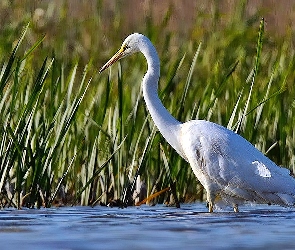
x: 129, y: 46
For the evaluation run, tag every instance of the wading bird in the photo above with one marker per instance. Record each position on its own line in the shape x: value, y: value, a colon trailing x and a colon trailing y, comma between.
x: 230, y: 168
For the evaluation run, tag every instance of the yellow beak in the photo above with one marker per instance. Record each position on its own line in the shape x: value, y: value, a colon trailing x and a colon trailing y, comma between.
x: 114, y: 59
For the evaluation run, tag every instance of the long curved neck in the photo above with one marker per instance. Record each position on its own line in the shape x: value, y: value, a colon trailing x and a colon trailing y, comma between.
x: 165, y: 122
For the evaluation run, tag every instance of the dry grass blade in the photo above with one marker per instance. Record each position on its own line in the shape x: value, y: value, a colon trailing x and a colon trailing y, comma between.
x: 153, y: 196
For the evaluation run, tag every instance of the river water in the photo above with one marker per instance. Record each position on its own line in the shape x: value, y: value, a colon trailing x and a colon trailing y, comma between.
x: 146, y: 227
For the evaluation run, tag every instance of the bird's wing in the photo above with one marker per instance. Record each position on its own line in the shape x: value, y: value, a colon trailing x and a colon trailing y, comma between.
x: 225, y: 160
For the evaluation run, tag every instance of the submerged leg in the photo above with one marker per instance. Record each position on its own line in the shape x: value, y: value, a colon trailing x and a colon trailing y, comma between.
x: 210, y: 200
x: 210, y: 205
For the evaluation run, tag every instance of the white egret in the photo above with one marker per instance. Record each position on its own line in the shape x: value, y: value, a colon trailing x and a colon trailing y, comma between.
x: 230, y: 168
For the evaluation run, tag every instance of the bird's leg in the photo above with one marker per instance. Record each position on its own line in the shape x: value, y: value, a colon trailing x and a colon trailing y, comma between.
x: 210, y: 205
x: 236, y: 208
x: 210, y: 200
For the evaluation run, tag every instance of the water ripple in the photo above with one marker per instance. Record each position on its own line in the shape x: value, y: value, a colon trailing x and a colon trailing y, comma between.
x: 146, y: 227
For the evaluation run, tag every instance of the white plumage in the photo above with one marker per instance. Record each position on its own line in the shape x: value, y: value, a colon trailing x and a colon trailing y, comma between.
x: 231, y: 169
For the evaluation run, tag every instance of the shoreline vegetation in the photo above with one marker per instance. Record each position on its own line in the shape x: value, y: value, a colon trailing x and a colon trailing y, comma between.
x: 71, y: 136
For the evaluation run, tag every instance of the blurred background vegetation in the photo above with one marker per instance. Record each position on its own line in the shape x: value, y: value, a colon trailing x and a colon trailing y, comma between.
x: 71, y: 136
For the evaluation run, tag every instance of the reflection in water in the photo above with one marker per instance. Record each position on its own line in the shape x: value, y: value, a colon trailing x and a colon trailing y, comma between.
x: 158, y: 227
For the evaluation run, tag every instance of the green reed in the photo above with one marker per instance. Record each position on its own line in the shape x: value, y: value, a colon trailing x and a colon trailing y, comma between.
x: 71, y: 136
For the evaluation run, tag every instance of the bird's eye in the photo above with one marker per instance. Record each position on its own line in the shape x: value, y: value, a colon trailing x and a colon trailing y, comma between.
x: 125, y: 47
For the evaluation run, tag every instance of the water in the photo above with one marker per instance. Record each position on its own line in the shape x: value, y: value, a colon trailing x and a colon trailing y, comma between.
x: 145, y: 227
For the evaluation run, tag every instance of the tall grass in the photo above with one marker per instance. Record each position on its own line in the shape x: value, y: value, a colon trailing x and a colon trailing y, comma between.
x: 70, y: 136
